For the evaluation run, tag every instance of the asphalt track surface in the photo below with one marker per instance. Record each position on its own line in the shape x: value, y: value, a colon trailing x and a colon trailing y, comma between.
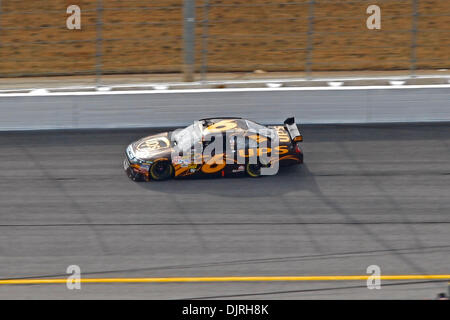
x: 175, y: 109
x: 367, y: 194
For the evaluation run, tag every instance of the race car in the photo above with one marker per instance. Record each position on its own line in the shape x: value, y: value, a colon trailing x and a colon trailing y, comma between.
x: 215, y: 147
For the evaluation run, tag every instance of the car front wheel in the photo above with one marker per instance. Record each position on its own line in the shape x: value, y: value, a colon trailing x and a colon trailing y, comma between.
x: 161, y: 170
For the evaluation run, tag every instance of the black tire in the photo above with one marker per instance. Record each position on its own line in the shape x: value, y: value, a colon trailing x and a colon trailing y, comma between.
x: 161, y: 170
x: 253, y: 170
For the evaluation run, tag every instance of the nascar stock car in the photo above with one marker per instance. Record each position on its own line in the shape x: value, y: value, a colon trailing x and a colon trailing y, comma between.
x: 215, y: 147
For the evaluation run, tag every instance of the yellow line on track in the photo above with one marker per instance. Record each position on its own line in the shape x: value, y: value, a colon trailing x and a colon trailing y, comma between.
x: 229, y: 279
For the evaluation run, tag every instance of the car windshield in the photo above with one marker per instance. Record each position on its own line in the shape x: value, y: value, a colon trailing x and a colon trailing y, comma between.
x: 186, y: 137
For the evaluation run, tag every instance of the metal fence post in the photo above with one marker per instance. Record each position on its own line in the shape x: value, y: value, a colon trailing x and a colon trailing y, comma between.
x: 413, y: 63
x: 310, y: 45
x: 99, y: 45
x: 189, y: 39
x: 205, y: 24
x: 0, y: 23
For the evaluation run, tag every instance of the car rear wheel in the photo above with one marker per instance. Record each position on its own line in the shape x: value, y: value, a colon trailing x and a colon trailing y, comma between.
x: 253, y: 170
x: 161, y: 170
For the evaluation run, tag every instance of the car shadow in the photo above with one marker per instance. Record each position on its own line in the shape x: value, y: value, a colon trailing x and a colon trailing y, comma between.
x: 237, y: 187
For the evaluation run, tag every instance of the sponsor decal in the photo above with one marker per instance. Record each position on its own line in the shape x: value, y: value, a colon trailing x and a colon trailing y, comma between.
x: 282, y: 134
x: 222, y: 126
x: 183, y: 161
x: 154, y: 144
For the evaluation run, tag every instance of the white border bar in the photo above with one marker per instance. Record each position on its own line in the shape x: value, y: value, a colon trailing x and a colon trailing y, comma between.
x: 225, y: 90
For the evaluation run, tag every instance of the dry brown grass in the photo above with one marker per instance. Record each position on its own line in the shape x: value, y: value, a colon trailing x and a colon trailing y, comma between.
x: 242, y: 36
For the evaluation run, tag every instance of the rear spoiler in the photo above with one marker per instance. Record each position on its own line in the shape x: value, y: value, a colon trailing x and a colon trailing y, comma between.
x: 292, y: 128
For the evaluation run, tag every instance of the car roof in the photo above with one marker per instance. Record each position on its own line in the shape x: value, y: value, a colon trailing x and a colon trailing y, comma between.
x: 220, y: 118
x: 242, y: 125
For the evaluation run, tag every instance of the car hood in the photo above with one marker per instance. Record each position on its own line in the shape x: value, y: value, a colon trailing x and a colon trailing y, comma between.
x: 154, y: 146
